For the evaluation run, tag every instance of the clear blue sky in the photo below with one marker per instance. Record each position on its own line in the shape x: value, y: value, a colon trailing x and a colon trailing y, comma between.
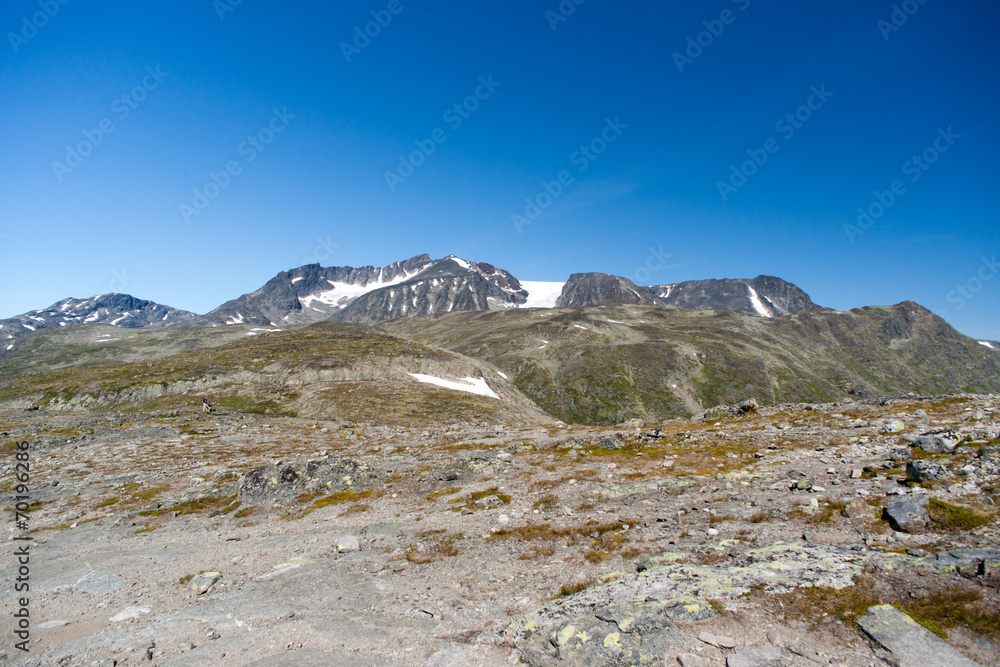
x: 113, y: 221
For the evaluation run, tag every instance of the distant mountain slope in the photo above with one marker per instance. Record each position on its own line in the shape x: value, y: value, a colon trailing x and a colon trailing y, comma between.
x: 328, y: 370
x: 764, y: 296
x: 991, y: 344
x: 310, y: 293
x: 607, y: 364
x: 120, y: 310
x: 417, y: 286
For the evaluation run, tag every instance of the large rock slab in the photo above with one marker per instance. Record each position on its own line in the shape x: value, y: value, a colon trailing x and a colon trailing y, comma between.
x: 923, y: 470
x: 910, y: 644
x: 907, y: 514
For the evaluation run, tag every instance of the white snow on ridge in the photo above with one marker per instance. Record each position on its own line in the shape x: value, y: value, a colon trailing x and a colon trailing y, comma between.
x: 541, y: 294
x: 758, y: 305
x: 461, y: 262
x: 343, y: 293
x: 469, y: 385
x: 986, y: 343
x: 238, y: 319
x: 297, y: 279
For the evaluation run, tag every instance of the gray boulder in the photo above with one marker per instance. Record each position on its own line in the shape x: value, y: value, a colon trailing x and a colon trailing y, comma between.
x: 910, y: 644
x: 927, y: 471
x: 906, y: 514
x: 325, y: 475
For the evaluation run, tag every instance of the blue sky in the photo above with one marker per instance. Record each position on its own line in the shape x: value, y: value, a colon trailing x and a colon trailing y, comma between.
x: 642, y: 124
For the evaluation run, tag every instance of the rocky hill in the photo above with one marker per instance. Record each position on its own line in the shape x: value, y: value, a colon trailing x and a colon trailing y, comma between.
x: 764, y: 296
x: 120, y: 310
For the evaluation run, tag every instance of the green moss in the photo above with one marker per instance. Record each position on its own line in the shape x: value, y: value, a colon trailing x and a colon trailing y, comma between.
x: 955, y: 517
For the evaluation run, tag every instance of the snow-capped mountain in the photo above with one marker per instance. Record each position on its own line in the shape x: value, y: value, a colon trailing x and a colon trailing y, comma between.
x: 120, y: 310
x: 417, y: 286
x: 763, y: 296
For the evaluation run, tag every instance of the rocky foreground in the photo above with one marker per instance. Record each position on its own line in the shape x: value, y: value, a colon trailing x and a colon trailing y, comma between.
x: 848, y: 533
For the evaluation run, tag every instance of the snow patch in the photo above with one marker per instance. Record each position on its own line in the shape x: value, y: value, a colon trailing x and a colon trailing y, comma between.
x: 758, y: 305
x: 28, y: 327
x: 461, y: 262
x: 297, y: 279
x: 541, y: 294
x: 238, y: 319
x: 469, y: 385
x: 500, y: 373
x: 11, y: 347
x: 579, y: 327
x: 981, y: 342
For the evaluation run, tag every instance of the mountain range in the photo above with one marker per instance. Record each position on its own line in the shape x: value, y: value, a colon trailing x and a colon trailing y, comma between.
x: 416, y: 286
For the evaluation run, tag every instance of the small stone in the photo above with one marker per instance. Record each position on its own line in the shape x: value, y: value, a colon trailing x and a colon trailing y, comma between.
x: 489, y: 502
x: 712, y: 532
x: 203, y: 582
x: 348, y: 543
x: 129, y: 612
x: 893, y: 426
x: 917, y: 552
x: 756, y: 656
x: 719, y: 641
x: 693, y: 660
x: 857, y: 473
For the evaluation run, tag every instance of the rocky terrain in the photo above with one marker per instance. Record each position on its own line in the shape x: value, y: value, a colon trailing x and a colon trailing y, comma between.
x: 747, y: 535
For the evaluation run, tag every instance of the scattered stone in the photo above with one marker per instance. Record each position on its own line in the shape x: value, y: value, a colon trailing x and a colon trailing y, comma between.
x: 935, y: 444
x: 203, y: 583
x: 909, y: 643
x: 348, y: 544
x: 129, y: 612
x: 693, y: 660
x: 893, y: 426
x: 856, y: 509
x: 326, y: 475
x: 989, y: 452
x: 857, y: 473
x: 756, y: 656
x: 923, y: 470
x: 719, y: 641
x: 906, y: 514
x: 489, y: 502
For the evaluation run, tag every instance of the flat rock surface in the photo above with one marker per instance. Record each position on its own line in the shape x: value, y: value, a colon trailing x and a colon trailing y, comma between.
x: 910, y: 644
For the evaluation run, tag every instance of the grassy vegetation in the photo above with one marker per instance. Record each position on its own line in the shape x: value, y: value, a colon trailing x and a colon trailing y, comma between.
x: 955, y: 517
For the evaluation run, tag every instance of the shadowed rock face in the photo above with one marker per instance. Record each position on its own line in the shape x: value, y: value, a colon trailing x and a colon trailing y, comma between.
x: 764, y: 296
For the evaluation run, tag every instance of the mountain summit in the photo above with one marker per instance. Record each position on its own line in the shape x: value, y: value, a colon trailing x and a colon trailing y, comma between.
x: 417, y: 286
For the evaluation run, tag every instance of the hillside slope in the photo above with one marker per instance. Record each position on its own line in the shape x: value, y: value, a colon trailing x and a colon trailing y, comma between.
x: 328, y: 371
x: 608, y: 364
